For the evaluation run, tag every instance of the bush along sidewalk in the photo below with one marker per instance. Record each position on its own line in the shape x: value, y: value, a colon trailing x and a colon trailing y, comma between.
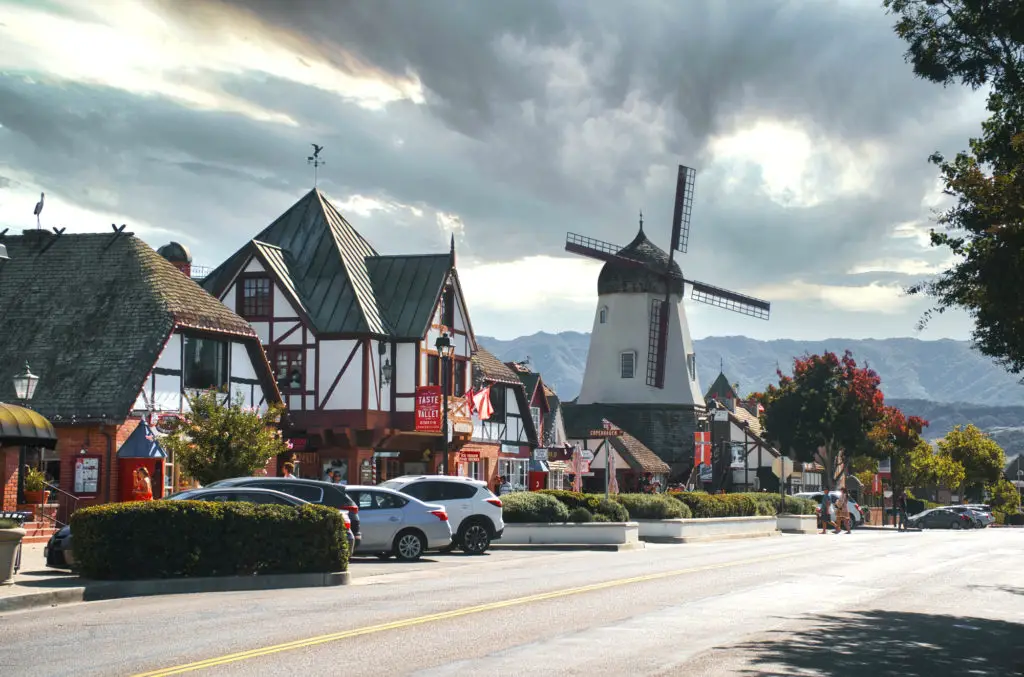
x: 172, y: 539
x: 703, y: 505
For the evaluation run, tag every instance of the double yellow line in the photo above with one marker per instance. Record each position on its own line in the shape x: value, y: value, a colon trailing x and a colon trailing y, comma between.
x: 446, y: 615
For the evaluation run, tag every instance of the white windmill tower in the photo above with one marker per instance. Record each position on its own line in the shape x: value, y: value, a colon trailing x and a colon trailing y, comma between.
x: 641, y: 352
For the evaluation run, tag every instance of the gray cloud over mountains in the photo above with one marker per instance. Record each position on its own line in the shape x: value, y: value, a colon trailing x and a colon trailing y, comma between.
x: 538, y: 118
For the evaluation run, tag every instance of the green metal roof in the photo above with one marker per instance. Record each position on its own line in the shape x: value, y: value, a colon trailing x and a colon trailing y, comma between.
x: 407, y: 289
x: 337, y: 277
x: 721, y: 389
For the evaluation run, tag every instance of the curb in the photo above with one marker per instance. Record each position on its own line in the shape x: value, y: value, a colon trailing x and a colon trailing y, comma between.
x: 566, y: 547
x: 94, y: 591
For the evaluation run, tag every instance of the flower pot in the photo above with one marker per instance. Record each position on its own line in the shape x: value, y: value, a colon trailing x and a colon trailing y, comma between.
x: 10, y: 539
x: 34, y: 497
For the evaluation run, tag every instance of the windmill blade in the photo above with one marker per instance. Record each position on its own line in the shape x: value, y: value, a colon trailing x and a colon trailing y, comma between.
x: 684, y: 206
x: 730, y: 300
x: 596, y: 249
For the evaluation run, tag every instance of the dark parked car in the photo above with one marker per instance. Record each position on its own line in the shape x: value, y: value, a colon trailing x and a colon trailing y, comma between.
x: 941, y: 518
x: 312, y: 491
x: 59, y: 554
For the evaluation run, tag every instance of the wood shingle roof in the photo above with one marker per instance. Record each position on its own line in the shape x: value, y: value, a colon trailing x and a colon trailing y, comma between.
x: 91, y: 313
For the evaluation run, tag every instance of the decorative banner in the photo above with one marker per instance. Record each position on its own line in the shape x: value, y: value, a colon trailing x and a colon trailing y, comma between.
x: 876, y: 484
x: 428, y: 409
x: 701, y: 448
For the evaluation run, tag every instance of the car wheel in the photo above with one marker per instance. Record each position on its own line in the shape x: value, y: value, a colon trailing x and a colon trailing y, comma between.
x: 409, y: 546
x: 475, y: 538
x: 955, y: 526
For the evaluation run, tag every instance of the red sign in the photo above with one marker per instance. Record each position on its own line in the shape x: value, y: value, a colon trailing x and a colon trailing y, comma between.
x: 701, y: 449
x: 298, y: 443
x: 469, y: 456
x: 428, y: 409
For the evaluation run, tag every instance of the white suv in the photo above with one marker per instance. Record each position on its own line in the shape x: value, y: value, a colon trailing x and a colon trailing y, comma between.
x: 474, y: 512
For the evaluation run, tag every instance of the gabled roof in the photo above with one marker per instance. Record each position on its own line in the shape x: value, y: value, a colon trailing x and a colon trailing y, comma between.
x: 721, y: 389
x: 329, y: 268
x: 284, y: 268
x: 408, y: 289
x: 91, y: 313
x: 637, y: 455
x: 490, y: 368
x: 141, y: 443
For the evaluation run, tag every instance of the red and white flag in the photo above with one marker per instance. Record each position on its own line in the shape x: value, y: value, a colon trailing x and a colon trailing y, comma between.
x: 701, y: 448
x: 482, y: 403
x: 760, y: 408
x: 469, y: 401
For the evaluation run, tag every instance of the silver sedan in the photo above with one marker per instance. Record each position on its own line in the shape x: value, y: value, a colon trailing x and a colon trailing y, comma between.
x: 399, y: 525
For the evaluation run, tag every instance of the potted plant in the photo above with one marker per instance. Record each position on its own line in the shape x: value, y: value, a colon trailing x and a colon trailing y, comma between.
x: 35, y: 485
x: 11, y: 534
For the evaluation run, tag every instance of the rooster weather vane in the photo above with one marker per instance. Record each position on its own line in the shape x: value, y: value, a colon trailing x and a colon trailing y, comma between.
x: 315, y: 160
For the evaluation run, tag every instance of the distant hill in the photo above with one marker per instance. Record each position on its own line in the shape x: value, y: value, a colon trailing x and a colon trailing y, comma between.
x: 938, y: 371
x: 945, y: 382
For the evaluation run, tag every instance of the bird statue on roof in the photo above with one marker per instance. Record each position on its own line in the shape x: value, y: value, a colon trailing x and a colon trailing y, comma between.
x: 39, y: 209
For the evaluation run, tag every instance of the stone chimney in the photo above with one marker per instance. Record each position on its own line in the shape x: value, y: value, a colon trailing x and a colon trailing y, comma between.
x: 179, y: 255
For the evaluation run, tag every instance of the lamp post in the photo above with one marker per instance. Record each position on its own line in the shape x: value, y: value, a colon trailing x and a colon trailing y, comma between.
x: 25, y: 384
x: 444, y: 351
x: 386, y: 369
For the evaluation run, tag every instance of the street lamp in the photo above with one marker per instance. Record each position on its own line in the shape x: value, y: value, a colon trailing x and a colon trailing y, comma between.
x: 386, y: 370
x: 444, y: 351
x: 25, y: 384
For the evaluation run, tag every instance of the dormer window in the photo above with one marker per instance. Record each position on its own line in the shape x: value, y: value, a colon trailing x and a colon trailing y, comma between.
x: 627, y: 364
x: 255, y: 298
x: 602, y: 315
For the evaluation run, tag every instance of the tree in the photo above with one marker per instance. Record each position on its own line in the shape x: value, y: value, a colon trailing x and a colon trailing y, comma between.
x: 1005, y: 497
x: 978, y: 44
x: 824, y: 411
x: 946, y: 472
x: 898, y: 437
x: 217, y: 440
x: 982, y: 459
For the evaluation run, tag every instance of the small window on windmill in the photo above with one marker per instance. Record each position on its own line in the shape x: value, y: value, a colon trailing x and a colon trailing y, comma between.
x: 602, y: 315
x: 691, y: 366
x: 627, y: 364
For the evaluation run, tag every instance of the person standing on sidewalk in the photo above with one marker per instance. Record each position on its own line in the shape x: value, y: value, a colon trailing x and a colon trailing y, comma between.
x: 901, y: 512
x: 824, y: 510
x: 843, y: 512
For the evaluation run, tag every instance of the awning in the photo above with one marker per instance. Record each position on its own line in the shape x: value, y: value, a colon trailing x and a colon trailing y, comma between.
x: 19, y: 425
x: 538, y: 466
x: 141, y: 444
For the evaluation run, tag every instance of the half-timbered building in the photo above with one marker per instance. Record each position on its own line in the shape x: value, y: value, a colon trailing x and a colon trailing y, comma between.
x: 116, y: 335
x: 503, y: 443
x: 351, y: 335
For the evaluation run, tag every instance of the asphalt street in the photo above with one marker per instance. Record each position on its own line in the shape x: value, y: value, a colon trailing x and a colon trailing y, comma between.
x: 871, y: 603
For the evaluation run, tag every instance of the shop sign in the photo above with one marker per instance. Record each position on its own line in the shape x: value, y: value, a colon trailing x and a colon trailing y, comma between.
x: 87, y: 475
x: 166, y: 423
x: 540, y: 454
x: 298, y: 443
x: 606, y: 432
x: 428, y: 409
x: 469, y: 456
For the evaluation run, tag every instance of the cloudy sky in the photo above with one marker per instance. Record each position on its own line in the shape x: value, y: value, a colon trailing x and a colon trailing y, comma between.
x: 505, y: 124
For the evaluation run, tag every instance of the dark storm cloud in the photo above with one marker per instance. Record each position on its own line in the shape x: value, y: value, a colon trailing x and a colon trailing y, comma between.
x: 497, y: 145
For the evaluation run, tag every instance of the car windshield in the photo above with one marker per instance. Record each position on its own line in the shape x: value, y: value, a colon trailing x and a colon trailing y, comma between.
x: 394, y: 485
x: 185, y: 495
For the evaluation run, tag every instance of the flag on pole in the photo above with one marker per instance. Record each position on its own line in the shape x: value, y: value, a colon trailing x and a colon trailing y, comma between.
x: 701, y: 448
x: 482, y: 403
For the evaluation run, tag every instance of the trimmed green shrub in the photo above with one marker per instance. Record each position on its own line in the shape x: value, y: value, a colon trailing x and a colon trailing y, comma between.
x: 999, y: 517
x: 580, y: 516
x: 9, y: 524
x: 652, y: 507
x: 614, y: 511
x: 532, y: 506
x: 171, y: 539
x: 598, y: 517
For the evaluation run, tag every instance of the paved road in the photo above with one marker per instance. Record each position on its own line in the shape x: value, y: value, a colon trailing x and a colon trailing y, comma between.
x: 871, y: 603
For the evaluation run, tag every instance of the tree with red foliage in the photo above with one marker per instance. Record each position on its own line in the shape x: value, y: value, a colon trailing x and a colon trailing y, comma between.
x: 824, y: 412
x: 898, y: 437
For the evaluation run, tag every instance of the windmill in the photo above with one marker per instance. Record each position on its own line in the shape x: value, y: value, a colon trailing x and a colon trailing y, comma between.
x: 654, y: 265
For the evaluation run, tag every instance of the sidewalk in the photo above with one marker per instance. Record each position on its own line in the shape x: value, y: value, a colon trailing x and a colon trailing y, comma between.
x: 35, y: 585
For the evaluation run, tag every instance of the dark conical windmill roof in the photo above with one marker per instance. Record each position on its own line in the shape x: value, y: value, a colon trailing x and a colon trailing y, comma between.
x: 623, y: 278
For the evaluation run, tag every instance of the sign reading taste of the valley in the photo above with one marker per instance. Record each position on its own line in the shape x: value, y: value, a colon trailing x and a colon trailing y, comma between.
x: 428, y: 409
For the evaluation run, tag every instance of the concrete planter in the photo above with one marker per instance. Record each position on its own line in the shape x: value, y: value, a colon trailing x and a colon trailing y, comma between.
x: 798, y: 524
x: 706, y: 529
x: 591, y: 533
x: 10, y: 539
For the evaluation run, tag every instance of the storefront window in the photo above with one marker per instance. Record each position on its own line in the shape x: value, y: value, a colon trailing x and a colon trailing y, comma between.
x: 472, y: 470
x: 556, y: 479
x: 335, y: 470
x: 517, y: 472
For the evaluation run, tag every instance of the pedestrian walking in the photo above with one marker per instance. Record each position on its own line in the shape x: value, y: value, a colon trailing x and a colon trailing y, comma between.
x: 289, y: 470
x: 824, y: 511
x: 843, y: 512
x: 901, y: 512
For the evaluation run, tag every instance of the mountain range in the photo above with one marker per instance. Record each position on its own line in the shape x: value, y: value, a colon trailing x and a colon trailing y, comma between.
x: 946, y: 382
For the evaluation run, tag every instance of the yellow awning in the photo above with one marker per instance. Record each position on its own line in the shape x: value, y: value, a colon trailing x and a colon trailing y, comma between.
x: 19, y: 425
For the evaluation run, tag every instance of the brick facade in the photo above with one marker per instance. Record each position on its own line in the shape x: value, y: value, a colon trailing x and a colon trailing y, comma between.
x: 8, y: 478
x: 72, y: 440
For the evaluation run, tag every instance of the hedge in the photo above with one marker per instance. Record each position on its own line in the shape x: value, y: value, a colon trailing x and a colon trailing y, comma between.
x: 595, y: 503
x: 742, y: 505
x: 653, y: 507
x: 171, y: 539
x: 531, y: 506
